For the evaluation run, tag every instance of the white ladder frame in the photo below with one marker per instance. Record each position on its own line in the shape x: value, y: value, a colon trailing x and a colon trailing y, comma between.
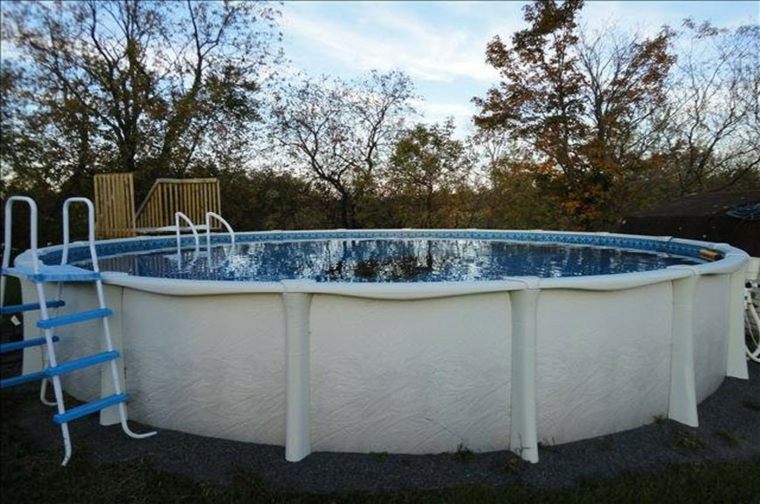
x: 177, y: 229
x: 106, y: 327
x: 48, y: 333
x: 7, y: 241
x: 8, y: 237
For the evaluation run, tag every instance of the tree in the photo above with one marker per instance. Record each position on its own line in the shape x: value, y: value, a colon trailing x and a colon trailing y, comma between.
x: 341, y: 133
x: 427, y: 165
x: 131, y: 85
x: 579, y: 105
x: 714, y: 138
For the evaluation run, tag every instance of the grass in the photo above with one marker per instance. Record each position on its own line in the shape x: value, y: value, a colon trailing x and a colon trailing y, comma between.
x: 727, y: 437
x: 29, y: 474
x: 379, y: 456
x: 464, y: 454
x: 511, y: 466
x: 687, y: 441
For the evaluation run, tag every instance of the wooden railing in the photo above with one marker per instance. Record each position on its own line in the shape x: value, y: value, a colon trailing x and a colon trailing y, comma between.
x: 114, y: 205
x: 193, y: 197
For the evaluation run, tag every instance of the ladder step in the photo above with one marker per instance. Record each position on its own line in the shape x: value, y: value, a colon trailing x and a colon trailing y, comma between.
x: 89, y: 408
x: 73, y: 365
x: 74, y: 318
x: 20, y: 308
x: 53, y: 273
x: 20, y: 379
x: 18, y: 345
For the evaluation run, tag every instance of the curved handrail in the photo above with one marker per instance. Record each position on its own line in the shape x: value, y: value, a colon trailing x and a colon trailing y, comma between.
x: 177, y: 217
x: 8, y: 236
x: 209, y: 216
x: 90, y: 230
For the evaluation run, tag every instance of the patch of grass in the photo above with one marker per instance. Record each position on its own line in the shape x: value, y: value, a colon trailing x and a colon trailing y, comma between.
x: 379, y: 456
x: 407, y: 462
x: 512, y: 466
x: 464, y: 454
x: 753, y: 405
x: 687, y: 441
x: 727, y: 437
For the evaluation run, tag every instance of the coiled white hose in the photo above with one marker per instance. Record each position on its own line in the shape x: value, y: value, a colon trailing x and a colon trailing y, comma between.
x: 752, y: 320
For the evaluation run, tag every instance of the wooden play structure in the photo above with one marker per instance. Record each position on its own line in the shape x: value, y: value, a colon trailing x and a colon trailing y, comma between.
x: 114, y: 204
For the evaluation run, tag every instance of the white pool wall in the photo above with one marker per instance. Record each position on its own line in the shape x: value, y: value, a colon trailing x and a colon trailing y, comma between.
x: 416, y: 368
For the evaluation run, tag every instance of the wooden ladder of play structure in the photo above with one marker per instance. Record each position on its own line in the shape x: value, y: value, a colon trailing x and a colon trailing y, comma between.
x: 117, y: 218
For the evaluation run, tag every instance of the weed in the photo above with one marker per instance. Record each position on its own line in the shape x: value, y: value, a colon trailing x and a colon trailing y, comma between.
x: 379, y: 456
x: 511, y: 466
x: 464, y: 454
x: 728, y: 437
x: 687, y: 441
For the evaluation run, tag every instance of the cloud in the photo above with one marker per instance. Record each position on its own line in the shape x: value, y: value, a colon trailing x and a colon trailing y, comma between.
x: 439, y: 111
x: 386, y: 37
x: 441, y: 45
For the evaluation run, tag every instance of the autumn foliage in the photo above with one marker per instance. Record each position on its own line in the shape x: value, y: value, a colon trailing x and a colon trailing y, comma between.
x: 584, y: 108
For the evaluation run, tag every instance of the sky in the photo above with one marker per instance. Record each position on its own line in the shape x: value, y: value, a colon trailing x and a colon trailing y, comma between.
x: 441, y: 45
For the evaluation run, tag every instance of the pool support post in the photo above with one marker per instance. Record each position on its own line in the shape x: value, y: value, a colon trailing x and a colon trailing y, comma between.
x: 298, y: 382
x: 682, y: 405
x: 523, y: 437
x: 736, y: 367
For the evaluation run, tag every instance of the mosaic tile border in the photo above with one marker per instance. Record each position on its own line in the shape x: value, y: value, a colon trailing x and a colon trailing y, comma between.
x: 148, y: 244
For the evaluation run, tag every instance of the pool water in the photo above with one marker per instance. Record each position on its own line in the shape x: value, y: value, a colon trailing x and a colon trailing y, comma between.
x: 388, y: 260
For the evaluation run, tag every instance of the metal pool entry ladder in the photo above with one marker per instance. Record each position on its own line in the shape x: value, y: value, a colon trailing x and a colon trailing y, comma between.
x: 41, y: 274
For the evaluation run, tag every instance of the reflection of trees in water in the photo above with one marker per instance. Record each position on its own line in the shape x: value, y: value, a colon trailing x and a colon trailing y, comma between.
x: 398, y: 261
x: 389, y: 261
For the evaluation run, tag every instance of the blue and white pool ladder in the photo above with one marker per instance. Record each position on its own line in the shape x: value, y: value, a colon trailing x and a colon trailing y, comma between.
x: 40, y: 273
x: 210, y: 216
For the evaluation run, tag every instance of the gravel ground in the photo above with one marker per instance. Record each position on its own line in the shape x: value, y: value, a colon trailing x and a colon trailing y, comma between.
x: 729, y: 431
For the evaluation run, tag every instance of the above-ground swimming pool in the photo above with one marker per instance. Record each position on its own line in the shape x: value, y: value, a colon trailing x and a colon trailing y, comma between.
x: 409, y: 341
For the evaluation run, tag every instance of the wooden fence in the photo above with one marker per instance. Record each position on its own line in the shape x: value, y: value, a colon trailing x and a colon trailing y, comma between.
x: 114, y: 205
x: 193, y: 197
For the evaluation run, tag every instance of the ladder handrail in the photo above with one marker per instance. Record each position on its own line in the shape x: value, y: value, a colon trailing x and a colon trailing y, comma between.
x: 177, y: 217
x: 8, y: 237
x: 32, y: 229
x: 209, y: 216
x: 90, y: 230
